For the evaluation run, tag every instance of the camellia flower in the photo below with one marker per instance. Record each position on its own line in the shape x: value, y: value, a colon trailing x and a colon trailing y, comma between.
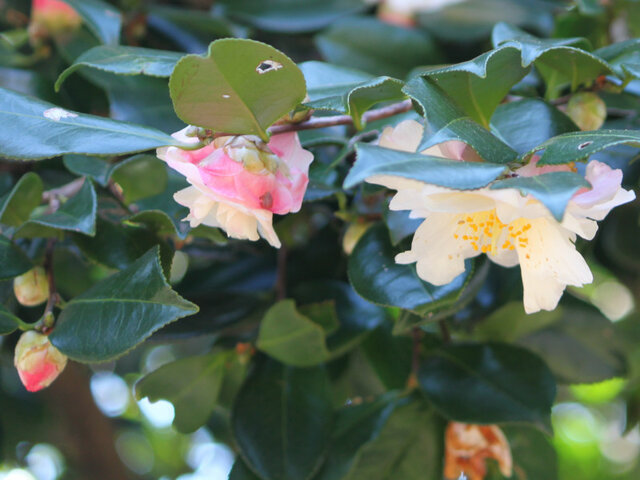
x: 401, y: 12
x: 508, y: 227
x: 38, y: 362
x: 239, y: 182
x: 467, y: 447
x: 52, y: 17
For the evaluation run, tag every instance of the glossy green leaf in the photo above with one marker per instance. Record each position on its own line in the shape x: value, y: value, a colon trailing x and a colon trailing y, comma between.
x: 119, y: 312
x: 155, y: 220
x: 373, y: 160
x: 553, y: 189
x: 534, y: 455
x: 98, y: 169
x: 290, y: 16
x: 624, y: 57
x: 78, y: 214
x: 292, y: 338
x: 479, y: 85
x: 141, y: 176
x: 376, y: 276
x: 488, y: 383
x: 34, y: 130
x: 355, y: 428
x: 191, y: 384
x: 8, y: 321
x: 579, y: 146
x: 447, y: 121
x: 560, y: 62
x: 376, y: 47
x: 16, y: 206
x: 13, y: 260
x: 284, y: 436
x: 525, y: 124
x: 240, y: 86
x: 409, y: 446
x: 240, y: 471
x: 124, y: 61
x: 101, y: 18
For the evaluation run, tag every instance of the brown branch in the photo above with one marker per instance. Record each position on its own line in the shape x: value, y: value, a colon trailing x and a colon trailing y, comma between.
x: 68, y: 190
x: 47, y: 316
x: 444, y: 331
x: 322, y: 122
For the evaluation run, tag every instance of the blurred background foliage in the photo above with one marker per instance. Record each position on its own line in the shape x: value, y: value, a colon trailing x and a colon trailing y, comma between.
x: 90, y: 424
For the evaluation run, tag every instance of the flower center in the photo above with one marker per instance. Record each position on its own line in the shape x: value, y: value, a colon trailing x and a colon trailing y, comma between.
x: 486, y: 233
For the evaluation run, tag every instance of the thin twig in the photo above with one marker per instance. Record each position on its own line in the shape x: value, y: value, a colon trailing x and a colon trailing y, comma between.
x: 68, y: 190
x: 47, y: 317
x: 444, y: 331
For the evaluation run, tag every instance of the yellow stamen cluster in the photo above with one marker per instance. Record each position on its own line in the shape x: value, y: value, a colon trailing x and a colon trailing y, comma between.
x: 486, y: 233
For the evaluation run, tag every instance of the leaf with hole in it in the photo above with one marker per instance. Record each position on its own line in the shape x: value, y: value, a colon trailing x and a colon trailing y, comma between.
x: 124, y: 61
x: 579, y: 146
x: 240, y: 86
x: 560, y: 62
x: 284, y: 436
x: 447, y: 121
x: 33, y: 129
x: 510, y: 383
x: 479, y: 85
x: 13, y: 260
x: 373, y: 160
x: 17, y: 205
x: 191, y: 384
x: 101, y: 18
x: 118, y: 313
x: 553, y: 189
x: 78, y: 214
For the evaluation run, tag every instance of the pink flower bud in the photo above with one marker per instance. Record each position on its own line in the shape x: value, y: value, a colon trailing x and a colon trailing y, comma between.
x: 31, y: 288
x: 51, y: 18
x: 38, y: 362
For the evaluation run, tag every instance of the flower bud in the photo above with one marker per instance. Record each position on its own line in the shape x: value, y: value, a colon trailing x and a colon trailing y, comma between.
x: 587, y: 110
x: 52, y: 18
x: 38, y: 362
x: 31, y: 288
x: 251, y: 152
x: 354, y: 232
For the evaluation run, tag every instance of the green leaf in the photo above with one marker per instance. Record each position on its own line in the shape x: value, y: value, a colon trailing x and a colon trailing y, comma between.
x: 534, y: 456
x: 155, y: 220
x: 376, y: 47
x: 119, y: 313
x: 479, y: 85
x: 560, y: 62
x: 410, y: 446
x: 355, y: 428
x: 624, y: 58
x: 26, y: 119
x: 13, y: 260
x: 553, y: 189
x: 240, y: 471
x: 124, y: 61
x: 283, y: 436
x: 527, y: 123
x: 292, y: 338
x: 579, y: 146
x: 240, y: 86
x: 191, y: 384
x: 98, y: 169
x: 509, y: 383
x: 78, y: 214
x: 377, y: 278
x: 17, y: 205
x: 101, y: 18
x: 374, y: 160
x: 9, y: 323
x: 290, y: 16
x: 447, y: 121
x: 141, y: 176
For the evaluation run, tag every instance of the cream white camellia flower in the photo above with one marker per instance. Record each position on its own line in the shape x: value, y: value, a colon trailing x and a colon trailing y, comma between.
x: 508, y: 227
x: 239, y: 182
x: 418, y: 6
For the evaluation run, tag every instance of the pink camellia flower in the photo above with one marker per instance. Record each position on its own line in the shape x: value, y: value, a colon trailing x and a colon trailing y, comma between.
x: 38, y: 362
x: 239, y: 182
x: 510, y: 228
x: 51, y: 18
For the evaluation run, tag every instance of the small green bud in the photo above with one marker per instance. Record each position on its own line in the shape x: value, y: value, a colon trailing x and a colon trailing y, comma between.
x: 31, y: 288
x: 587, y: 110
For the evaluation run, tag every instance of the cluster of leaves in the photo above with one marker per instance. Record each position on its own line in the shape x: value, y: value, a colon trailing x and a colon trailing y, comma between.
x: 351, y: 375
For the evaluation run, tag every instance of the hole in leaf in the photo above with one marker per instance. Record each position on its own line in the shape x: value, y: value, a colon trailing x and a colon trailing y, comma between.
x: 584, y: 145
x: 268, y: 66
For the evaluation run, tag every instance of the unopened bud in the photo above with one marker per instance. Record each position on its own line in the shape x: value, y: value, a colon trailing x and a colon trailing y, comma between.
x: 587, y: 110
x: 38, y: 362
x: 251, y: 151
x: 31, y: 288
x: 52, y: 18
x: 353, y: 234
